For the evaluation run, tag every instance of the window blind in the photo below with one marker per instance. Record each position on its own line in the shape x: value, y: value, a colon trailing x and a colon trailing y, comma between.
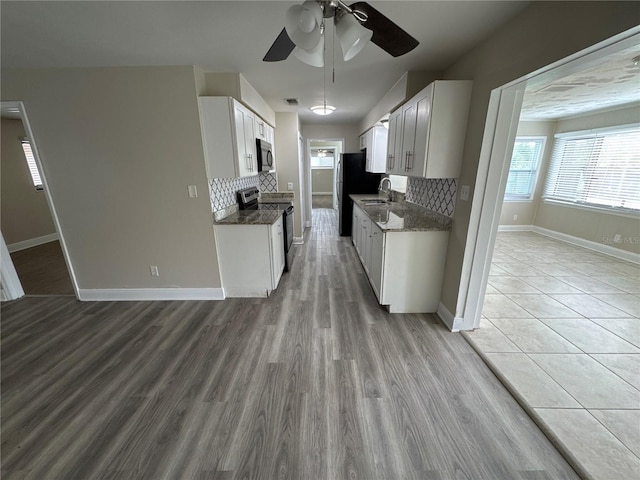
x: 598, y: 169
x: 527, y: 152
x: 31, y: 163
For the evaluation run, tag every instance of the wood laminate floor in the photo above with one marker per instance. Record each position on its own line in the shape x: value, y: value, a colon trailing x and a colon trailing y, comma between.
x: 322, y: 201
x: 316, y: 382
x: 42, y: 270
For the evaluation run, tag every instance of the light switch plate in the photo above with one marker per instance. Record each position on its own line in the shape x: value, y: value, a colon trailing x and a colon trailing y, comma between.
x: 464, y: 192
x: 290, y: 186
x: 193, y: 191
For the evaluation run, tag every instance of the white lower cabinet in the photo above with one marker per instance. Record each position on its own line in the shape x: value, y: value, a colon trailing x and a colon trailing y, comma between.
x: 251, y: 258
x: 405, y: 268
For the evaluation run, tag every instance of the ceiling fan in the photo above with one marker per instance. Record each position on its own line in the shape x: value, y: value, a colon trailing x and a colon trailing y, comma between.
x: 355, y: 25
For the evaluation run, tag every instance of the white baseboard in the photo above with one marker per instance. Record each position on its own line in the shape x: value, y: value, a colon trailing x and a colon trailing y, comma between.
x: 298, y: 240
x: 451, y: 322
x: 321, y: 193
x: 581, y: 242
x: 515, y: 228
x: 146, y: 294
x: 32, y: 242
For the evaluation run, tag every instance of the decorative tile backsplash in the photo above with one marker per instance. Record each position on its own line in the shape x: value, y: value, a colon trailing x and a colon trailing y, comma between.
x: 437, y: 194
x: 268, y: 182
x: 222, y: 191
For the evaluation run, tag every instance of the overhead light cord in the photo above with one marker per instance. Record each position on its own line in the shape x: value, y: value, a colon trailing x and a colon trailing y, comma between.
x: 324, y: 76
x: 333, y: 52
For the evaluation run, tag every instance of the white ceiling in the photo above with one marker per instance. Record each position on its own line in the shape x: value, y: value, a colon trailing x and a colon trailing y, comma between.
x: 608, y: 83
x: 233, y: 36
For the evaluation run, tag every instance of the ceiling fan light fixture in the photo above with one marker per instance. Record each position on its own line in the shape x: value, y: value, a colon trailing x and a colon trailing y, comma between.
x: 303, y: 24
x: 351, y: 35
x: 314, y: 56
x: 323, y: 109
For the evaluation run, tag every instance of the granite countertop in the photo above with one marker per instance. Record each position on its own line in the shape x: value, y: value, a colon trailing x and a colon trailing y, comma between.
x: 274, y: 197
x: 252, y: 217
x: 402, y: 216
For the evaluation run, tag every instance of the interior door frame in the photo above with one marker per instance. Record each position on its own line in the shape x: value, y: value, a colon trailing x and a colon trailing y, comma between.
x: 502, y: 121
x: 9, y: 274
x: 340, y: 141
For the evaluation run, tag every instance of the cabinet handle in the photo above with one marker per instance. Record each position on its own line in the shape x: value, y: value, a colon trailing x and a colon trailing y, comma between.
x: 389, y: 162
x: 407, y: 156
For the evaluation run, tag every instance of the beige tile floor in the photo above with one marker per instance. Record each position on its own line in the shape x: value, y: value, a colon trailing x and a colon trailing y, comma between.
x: 560, y: 326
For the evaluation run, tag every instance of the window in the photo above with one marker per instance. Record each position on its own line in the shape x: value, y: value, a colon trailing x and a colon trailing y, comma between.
x: 600, y: 168
x: 322, y: 158
x: 525, y: 161
x: 31, y: 163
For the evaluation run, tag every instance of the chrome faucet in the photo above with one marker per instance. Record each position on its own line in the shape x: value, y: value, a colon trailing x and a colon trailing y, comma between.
x: 381, y: 188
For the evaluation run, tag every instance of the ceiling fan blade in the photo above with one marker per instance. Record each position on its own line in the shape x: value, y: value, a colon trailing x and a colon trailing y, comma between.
x: 386, y: 34
x: 280, y: 49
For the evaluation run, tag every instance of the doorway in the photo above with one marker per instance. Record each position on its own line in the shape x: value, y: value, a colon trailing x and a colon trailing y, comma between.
x: 34, y: 260
x: 323, y: 162
x: 495, y: 157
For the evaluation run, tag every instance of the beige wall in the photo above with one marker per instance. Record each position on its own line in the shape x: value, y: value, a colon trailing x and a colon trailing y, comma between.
x: 592, y: 225
x: 25, y: 214
x: 349, y: 132
x: 322, y: 180
x: 543, y: 33
x: 119, y: 147
x: 288, y: 162
x: 526, y: 211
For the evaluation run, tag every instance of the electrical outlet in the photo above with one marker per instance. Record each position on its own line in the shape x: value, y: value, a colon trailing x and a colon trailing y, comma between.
x: 464, y: 192
x: 515, y: 217
x: 290, y: 186
x: 193, y: 191
x: 154, y: 270
x: 617, y: 238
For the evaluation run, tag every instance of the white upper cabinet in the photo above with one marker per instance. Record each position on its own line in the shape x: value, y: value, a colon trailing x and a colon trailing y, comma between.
x: 375, y: 142
x: 430, y: 128
x: 228, y: 134
x: 394, y: 143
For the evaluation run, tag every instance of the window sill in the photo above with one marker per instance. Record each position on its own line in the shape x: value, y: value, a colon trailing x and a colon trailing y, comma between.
x: 518, y: 200
x: 591, y: 208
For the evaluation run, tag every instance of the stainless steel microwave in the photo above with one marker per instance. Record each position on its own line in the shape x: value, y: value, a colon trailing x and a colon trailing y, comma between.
x: 265, y: 156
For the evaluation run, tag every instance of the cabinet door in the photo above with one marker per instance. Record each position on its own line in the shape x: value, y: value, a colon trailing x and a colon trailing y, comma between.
x: 250, y: 142
x: 244, y: 167
x: 218, y: 136
x: 378, y: 150
x: 409, y: 118
x: 365, y: 251
x: 394, y: 142
x: 355, y: 228
x: 376, y: 259
x: 261, y: 129
x: 423, y: 122
x: 277, y: 252
x: 363, y: 141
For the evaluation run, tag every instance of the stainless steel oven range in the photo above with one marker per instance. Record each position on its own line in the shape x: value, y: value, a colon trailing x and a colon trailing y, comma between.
x: 248, y: 200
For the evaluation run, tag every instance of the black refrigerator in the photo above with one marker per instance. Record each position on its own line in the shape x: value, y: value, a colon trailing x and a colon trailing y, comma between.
x: 352, y: 178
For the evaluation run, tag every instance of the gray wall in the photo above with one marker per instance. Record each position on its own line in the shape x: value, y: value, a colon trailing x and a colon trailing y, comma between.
x: 25, y: 214
x: 543, y: 33
x: 288, y: 163
x: 323, y: 131
x: 119, y: 147
x: 322, y: 180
